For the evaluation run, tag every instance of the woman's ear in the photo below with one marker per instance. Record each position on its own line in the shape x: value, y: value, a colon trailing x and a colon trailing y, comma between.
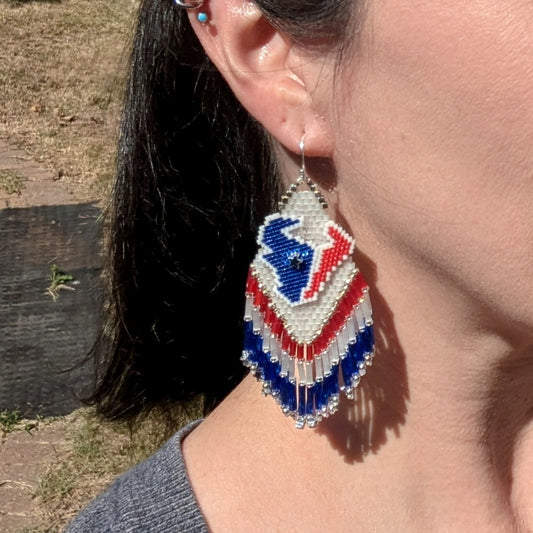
x: 267, y: 72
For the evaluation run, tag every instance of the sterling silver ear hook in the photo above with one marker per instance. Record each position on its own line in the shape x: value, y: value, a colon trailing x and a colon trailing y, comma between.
x: 303, y: 173
x: 304, y: 178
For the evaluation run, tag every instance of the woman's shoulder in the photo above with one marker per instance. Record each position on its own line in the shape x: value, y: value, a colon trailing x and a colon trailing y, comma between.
x: 155, y: 495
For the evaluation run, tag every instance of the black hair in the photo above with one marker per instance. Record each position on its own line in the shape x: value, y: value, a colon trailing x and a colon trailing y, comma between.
x: 196, y: 176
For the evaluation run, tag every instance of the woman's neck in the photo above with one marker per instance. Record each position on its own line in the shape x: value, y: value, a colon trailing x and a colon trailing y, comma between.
x: 440, y: 437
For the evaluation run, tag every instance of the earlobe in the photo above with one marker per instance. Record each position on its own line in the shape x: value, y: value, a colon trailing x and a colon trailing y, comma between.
x: 255, y: 59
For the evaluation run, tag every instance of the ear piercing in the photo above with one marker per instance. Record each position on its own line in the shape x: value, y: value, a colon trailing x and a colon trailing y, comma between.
x: 194, y: 4
x: 189, y: 4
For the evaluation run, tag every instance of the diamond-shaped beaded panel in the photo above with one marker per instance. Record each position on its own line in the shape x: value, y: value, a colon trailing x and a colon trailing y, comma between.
x: 305, y: 321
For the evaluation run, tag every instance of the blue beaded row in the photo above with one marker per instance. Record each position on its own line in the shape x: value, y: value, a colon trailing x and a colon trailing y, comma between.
x: 293, y: 276
x: 310, y: 401
x: 364, y: 344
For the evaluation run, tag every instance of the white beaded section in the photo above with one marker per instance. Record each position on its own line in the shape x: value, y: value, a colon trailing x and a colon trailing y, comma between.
x: 304, y: 322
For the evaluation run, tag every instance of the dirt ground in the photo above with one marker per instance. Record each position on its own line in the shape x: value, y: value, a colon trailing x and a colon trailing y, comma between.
x: 24, y: 457
x: 62, y: 66
x: 29, y: 182
x: 51, y: 468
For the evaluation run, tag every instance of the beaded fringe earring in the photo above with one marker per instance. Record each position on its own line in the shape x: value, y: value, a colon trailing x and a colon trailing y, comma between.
x: 308, y: 331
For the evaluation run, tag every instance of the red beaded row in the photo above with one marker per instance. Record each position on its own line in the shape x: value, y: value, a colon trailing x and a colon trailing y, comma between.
x: 342, y: 312
x: 332, y: 257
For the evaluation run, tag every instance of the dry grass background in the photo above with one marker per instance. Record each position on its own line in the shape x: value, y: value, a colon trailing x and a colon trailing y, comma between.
x: 61, y: 69
x: 93, y: 454
x: 90, y: 455
x: 62, y: 65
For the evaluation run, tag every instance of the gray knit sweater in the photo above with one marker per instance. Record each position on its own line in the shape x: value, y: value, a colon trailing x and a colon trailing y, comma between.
x: 155, y: 496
